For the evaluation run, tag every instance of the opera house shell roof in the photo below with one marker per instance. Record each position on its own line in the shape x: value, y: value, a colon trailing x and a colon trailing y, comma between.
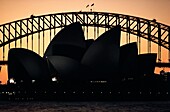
x: 26, y: 65
x: 73, y: 58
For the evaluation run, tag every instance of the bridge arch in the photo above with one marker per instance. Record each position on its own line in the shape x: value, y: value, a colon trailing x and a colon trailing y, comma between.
x: 151, y: 30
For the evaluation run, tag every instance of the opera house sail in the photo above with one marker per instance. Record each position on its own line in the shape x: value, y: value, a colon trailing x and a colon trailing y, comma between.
x: 25, y: 65
x: 146, y: 63
x: 69, y: 42
x: 102, y: 57
x: 128, y: 60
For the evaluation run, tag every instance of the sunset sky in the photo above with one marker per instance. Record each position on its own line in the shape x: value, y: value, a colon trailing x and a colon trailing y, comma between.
x: 11, y: 10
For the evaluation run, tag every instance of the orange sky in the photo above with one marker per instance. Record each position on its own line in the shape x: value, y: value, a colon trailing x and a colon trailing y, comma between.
x: 11, y: 10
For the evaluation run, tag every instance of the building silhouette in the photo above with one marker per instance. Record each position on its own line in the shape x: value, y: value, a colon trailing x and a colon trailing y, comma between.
x: 73, y: 65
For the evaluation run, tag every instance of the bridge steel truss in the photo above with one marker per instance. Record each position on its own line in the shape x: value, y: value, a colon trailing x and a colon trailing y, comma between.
x: 151, y: 30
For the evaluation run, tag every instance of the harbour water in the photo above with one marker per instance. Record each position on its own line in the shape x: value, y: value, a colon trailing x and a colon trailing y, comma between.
x: 93, y: 106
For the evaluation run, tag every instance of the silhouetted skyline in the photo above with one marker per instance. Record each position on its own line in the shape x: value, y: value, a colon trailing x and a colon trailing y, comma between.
x: 14, y: 10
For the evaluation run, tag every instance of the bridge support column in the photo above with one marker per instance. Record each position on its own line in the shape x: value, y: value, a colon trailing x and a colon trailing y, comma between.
x: 159, y: 43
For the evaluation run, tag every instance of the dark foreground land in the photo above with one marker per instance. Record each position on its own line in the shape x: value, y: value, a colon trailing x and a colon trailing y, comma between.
x: 54, y: 91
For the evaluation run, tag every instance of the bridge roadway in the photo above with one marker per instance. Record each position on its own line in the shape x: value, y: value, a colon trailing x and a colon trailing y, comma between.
x: 158, y: 64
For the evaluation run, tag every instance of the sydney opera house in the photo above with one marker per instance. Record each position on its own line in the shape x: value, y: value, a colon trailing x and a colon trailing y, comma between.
x: 71, y: 58
x: 73, y: 67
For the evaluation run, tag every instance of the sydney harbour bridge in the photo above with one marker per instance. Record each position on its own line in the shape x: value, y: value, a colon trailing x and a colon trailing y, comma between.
x: 36, y: 32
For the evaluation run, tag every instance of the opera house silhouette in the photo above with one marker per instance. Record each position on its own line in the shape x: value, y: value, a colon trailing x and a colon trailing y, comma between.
x: 71, y: 58
x: 73, y: 67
